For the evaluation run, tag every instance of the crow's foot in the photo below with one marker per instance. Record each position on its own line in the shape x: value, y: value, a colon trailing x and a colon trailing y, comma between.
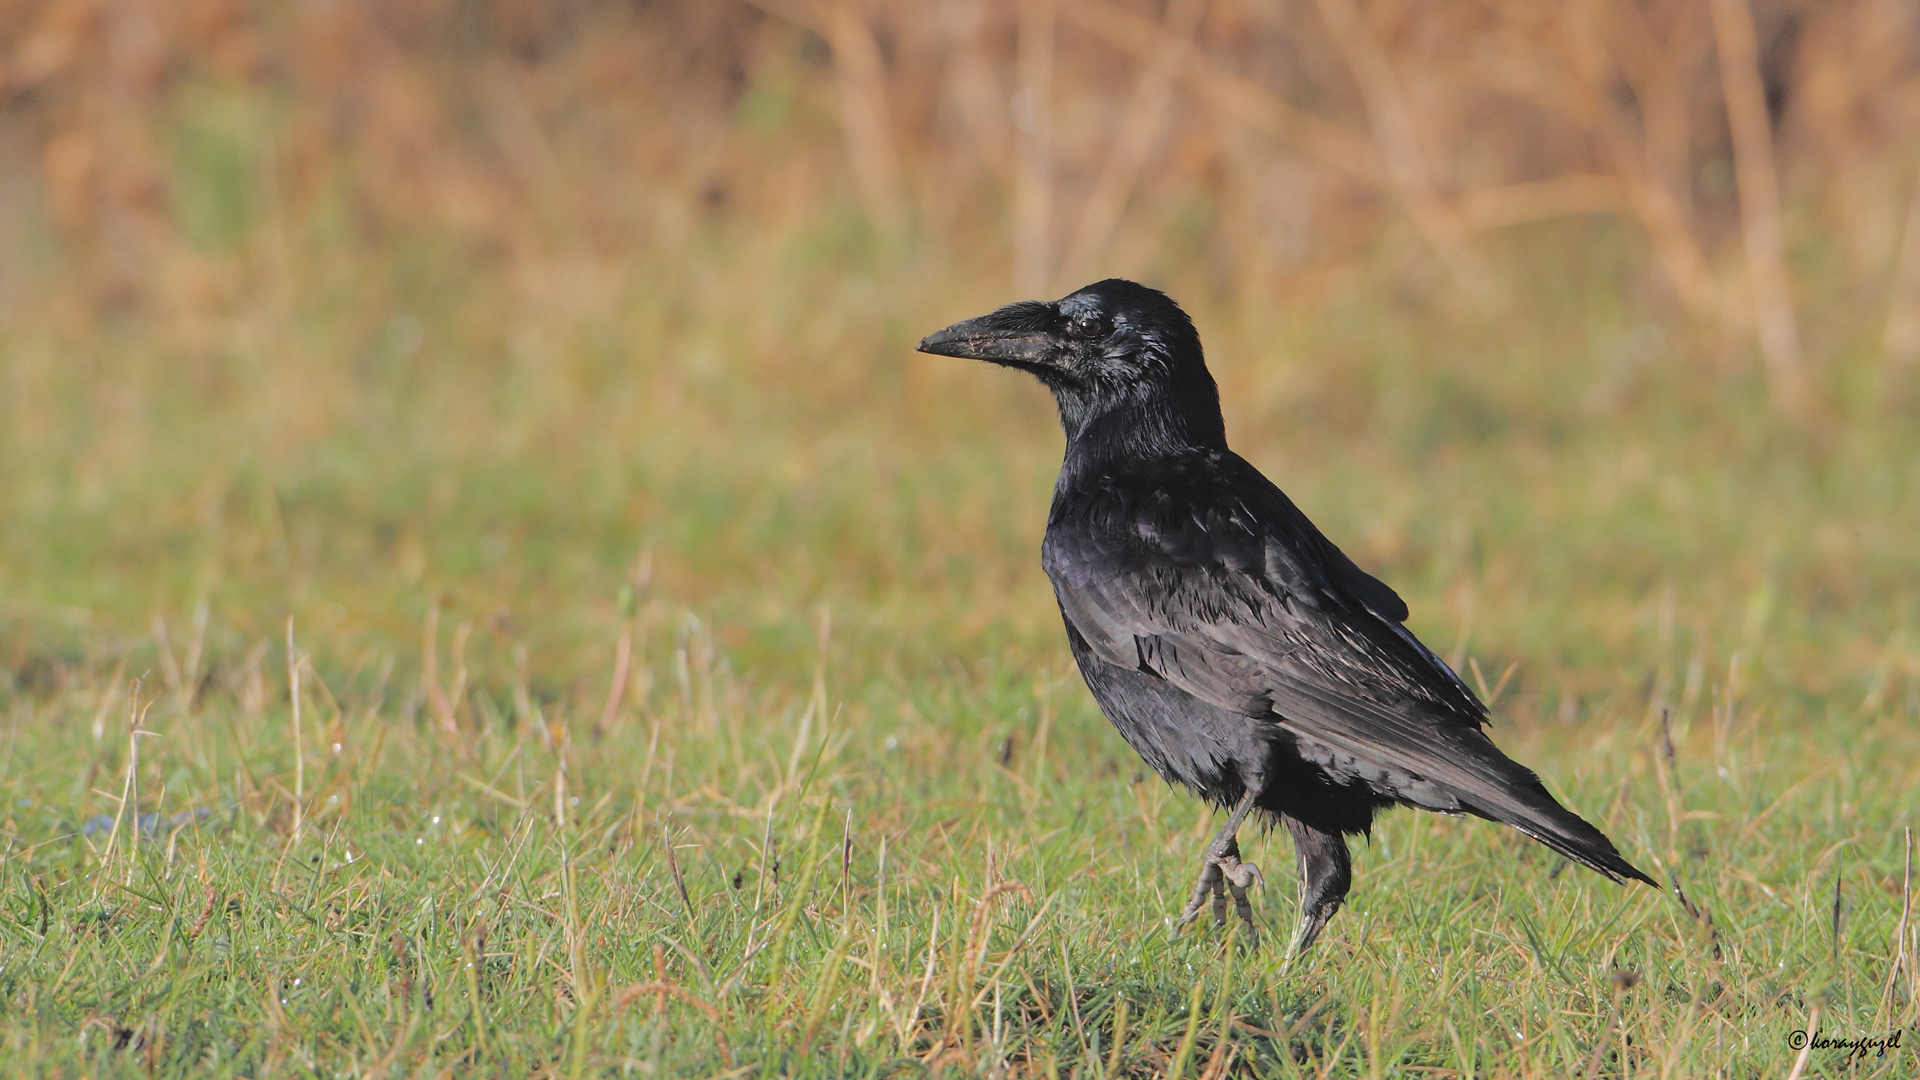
x: 1326, y: 872
x: 1223, y: 872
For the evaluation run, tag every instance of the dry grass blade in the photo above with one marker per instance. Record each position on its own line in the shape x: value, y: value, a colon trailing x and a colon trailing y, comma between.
x: 661, y: 988
x: 1806, y: 1044
x: 1667, y: 770
x: 1700, y: 916
x: 622, y: 657
x: 299, y: 742
x: 1898, y: 958
x: 673, y: 866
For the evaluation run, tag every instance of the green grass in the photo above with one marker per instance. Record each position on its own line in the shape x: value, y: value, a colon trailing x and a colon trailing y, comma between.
x: 905, y: 839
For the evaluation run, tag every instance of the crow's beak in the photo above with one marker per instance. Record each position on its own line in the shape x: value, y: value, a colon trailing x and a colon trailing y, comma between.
x: 1018, y: 335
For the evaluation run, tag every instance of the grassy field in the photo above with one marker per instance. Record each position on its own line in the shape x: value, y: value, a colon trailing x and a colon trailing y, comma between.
x: 673, y: 689
x: 487, y: 587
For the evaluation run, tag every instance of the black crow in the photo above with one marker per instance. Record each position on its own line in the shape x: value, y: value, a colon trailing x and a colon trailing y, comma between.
x: 1239, y: 651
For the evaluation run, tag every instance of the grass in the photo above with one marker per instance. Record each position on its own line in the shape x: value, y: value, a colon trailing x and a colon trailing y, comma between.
x: 678, y: 692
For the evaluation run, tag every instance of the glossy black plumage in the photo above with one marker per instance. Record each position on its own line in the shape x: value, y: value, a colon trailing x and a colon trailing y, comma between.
x: 1239, y: 651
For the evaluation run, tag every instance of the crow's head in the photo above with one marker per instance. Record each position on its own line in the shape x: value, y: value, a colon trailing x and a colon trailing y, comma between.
x: 1112, y: 346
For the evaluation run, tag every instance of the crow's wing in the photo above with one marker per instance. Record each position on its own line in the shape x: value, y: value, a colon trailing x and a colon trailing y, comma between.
x: 1204, y: 574
x: 1206, y: 555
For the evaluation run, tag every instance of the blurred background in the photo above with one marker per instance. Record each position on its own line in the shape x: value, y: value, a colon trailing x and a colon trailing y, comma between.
x: 425, y: 414
x: 1593, y: 326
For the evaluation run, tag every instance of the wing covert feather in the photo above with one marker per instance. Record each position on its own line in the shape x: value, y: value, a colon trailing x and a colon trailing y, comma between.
x: 1227, y: 591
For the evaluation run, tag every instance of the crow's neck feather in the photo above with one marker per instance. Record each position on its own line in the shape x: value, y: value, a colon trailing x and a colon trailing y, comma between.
x: 1143, y: 423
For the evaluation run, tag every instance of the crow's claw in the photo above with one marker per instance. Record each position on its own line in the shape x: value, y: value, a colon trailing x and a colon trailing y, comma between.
x: 1223, y: 874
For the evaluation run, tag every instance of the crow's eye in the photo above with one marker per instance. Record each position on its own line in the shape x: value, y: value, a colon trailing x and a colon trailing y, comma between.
x: 1089, y: 326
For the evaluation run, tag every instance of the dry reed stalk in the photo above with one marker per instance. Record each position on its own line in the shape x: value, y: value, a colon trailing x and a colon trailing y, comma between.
x: 860, y: 80
x: 1900, y: 343
x: 1587, y: 99
x: 1659, y: 213
x: 1248, y: 103
x: 1033, y: 125
x: 1759, y: 204
x: 901, y: 69
x: 860, y: 75
x: 1540, y: 200
x: 515, y: 130
x: 977, y: 89
x: 1395, y: 131
x: 1141, y: 125
x: 1235, y: 96
x: 1658, y: 72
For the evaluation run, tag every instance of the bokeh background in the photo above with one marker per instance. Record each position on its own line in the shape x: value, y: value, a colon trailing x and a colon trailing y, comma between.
x: 482, y: 441
x: 1580, y: 322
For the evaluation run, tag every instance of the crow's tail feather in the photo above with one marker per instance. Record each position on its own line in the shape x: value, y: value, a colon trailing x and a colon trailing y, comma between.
x: 1524, y: 803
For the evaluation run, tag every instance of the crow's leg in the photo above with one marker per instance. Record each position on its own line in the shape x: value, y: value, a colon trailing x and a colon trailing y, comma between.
x: 1326, y: 872
x: 1221, y: 870
x: 1239, y: 877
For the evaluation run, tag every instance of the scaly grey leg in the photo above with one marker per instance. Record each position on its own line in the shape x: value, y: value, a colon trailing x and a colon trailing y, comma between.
x: 1326, y: 872
x: 1221, y: 871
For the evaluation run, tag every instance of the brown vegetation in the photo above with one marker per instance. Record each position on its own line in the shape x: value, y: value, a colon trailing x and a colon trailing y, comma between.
x: 1267, y: 148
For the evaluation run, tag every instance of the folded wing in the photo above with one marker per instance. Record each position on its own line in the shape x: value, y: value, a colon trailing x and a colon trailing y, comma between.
x: 1215, y: 582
